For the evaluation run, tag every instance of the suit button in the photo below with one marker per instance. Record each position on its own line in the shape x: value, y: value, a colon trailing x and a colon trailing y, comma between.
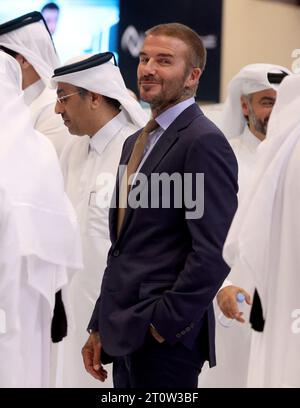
x: 183, y: 332
x: 178, y: 335
x: 116, y: 252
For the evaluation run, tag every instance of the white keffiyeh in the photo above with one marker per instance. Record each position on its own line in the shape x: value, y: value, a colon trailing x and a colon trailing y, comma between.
x: 34, y: 42
x: 252, y: 78
x: 105, y: 79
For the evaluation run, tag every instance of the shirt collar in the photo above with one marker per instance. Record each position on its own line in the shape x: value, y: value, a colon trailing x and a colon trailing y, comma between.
x: 104, y: 135
x: 250, y: 139
x: 33, y: 91
x: 167, y: 117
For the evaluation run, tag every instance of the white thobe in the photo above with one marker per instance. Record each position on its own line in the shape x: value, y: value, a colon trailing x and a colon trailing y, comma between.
x: 10, y: 274
x: 83, y: 161
x: 264, y: 240
x: 275, y: 353
x: 41, y: 101
x: 245, y: 147
x: 233, y: 343
x: 40, y: 245
x: 25, y: 313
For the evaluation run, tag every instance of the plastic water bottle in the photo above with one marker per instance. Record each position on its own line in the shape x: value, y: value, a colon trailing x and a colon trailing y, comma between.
x: 227, y: 321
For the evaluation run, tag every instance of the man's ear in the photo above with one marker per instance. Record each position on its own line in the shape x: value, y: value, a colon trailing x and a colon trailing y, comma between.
x: 23, y: 61
x: 194, y: 77
x: 96, y: 99
x: 245, y: 106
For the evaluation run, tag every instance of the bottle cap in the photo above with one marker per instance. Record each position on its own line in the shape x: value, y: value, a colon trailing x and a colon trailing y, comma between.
x: 240, y: 297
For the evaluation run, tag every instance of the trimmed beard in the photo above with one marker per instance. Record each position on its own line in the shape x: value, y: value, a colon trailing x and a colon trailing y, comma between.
x: 260, y: 126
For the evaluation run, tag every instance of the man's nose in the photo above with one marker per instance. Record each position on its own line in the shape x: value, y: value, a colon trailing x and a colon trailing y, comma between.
x: 59, y: 108
x: 150, y: 67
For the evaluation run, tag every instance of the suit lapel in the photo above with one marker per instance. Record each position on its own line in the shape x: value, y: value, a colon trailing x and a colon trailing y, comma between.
x: 113, y: 212
x: 161, y: 148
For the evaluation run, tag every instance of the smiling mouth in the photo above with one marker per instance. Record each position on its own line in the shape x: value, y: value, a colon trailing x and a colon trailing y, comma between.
x: 148, y: 85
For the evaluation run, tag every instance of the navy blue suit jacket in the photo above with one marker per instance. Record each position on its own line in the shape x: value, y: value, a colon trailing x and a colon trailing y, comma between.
x: 163, y: 268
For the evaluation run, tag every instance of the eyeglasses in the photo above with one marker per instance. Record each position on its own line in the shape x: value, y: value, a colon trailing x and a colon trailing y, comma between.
x: 62, y: 99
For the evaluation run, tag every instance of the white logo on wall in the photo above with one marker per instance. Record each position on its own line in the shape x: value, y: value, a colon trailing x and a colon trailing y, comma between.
x: 209, y: 41
x: 132, y: 41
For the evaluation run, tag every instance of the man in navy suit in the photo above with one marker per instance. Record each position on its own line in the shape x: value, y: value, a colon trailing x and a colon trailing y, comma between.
x: 165, y: 265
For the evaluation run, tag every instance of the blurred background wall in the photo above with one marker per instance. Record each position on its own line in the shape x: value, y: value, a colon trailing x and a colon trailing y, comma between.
x: 257, y: 31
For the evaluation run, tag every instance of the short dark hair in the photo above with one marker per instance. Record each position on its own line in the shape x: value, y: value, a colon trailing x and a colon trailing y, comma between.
x: 113, y: 102
x: 50, y: 6
x: 9, y: 51
x: 82, y: 92
x: 197, y: 51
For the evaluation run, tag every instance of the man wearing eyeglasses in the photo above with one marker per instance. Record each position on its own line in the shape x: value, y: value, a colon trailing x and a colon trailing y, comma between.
x: 29, y: 41
x: 94, y: 103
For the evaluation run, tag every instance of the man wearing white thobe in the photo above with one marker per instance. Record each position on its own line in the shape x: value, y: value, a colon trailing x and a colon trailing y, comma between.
x: 96, y: 89
x: 251, y: 97
x: 27, y: 39
x: 263, y: 241
x: 47, y: 249
x: 10, y: 264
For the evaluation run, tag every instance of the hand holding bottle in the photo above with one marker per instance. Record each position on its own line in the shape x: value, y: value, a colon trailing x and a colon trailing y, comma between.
x: 228, y: 303
x: 227, y: 321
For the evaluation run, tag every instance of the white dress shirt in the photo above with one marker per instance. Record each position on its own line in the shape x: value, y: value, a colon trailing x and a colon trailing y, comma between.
x: 164, y: 120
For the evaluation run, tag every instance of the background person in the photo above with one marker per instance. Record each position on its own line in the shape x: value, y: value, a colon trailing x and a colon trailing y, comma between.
x: 50, y: 12
x: 251, y: 97
x: 263, y: 242
x: 29, y: 41
x: 94, y: 104
x: 48, y: 249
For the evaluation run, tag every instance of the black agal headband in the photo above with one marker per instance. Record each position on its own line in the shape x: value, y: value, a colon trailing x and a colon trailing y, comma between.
x: 276, y: 78
x: 90, y: 62
x: 23, y: 21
